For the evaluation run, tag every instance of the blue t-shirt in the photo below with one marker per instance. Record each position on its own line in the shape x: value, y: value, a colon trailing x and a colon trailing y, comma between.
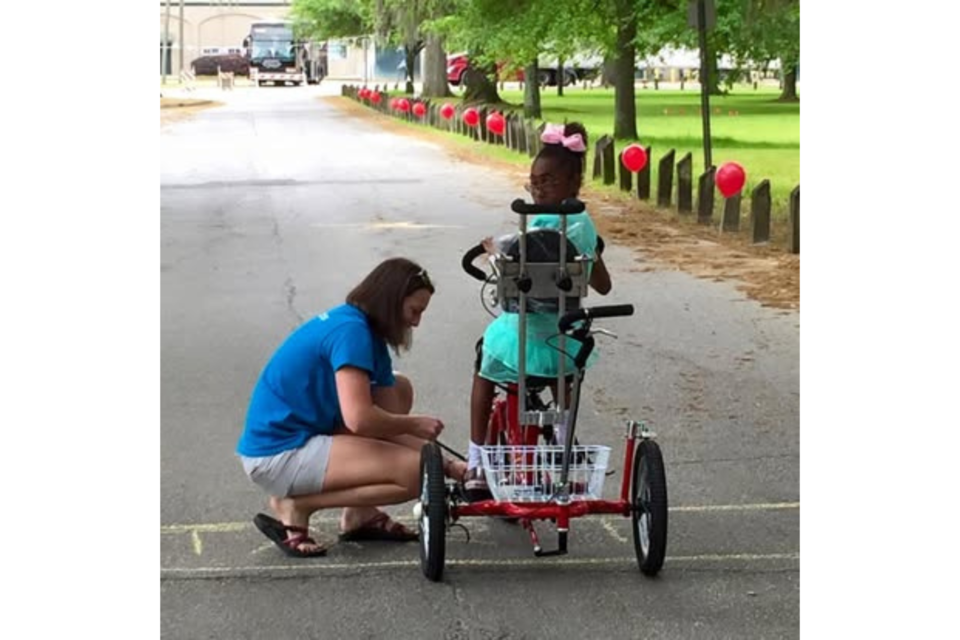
x: 296, y: 395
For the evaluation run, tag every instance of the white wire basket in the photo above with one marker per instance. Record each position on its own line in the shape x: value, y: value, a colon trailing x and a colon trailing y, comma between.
x: 532, y: 474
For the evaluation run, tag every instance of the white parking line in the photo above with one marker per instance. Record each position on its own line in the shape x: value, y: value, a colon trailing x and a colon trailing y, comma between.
x: 385, y: 225
x: 613, y: 532
x: 197, y: 543
x: 763, y: 506
x: 230, y: 527
x: 321, y: 567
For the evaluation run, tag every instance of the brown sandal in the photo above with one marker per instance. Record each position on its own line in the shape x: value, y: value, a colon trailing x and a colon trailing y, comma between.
x: 381, y: 527
x: 277, y: 532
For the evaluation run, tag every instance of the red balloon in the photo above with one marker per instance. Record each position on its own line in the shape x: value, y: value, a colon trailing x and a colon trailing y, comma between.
x: 403, y: 105
x: 496, y: 123
x: 634, y: 157
x: 471, y: 117
x: 362, y: 93
x: 447, y: 111
x: 419, y: 109
x: 375, y: 97
x: 730, y: 179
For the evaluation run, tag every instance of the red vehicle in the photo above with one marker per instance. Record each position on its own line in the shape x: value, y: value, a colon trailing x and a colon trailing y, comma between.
x: 547, y: 73
x: 456, y: 65
x: 534, y: 465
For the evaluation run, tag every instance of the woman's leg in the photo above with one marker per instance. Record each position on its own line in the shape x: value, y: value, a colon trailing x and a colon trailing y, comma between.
x: 399, y: 399
x: 362, y: 473
x: 396, y: 399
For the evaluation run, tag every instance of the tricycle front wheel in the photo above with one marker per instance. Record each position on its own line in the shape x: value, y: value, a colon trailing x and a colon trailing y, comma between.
x: 432, y: 512
x: 649, y: 501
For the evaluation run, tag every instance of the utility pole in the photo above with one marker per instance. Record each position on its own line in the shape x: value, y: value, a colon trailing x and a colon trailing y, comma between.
x: 366, y: 41
x: 702, y: 15
x: 164, y: 67
x: 181, y: 36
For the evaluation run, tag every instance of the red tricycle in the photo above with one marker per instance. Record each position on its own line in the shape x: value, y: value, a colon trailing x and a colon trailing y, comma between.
x: 535, y: 467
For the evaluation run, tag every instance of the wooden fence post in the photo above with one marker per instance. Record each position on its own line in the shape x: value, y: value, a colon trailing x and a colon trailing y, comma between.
x: 795, y: 220
x: 536, y: 139
x: 608, y: 157
x: 731, y: 213
x: 665, y: 179
x: 760, y: 212
x: 524, y: 134
x: 626, y: 176
x: 643, y: 178
x: 482, y: 125
x: 705, y: 196
x: 597, y: 160
x: 685, y: 184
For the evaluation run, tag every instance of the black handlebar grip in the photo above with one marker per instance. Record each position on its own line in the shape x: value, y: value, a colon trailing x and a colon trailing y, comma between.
x: 608, y: 311
x: 567, y: 207
x: 467, y: 263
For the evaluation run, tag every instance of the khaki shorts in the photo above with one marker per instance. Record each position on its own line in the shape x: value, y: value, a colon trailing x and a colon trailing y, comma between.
x: 296, y: 472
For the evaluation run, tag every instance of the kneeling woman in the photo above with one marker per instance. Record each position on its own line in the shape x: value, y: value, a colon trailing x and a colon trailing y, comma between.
x: 329, y: 422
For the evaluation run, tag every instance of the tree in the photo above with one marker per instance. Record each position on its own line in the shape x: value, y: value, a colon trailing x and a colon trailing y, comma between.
x: 478, y: 27
x: 505, y: 37
x: 412, y: 24
x: 398, y: 22
x: 435, y: 83
x: 624, y: 96
x: 395, y: 22
x: 772, y: 31
x: 755, y: 31
x: 326, y: 19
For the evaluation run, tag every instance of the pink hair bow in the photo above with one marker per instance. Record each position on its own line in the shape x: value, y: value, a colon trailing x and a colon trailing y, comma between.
x: 553, y: 134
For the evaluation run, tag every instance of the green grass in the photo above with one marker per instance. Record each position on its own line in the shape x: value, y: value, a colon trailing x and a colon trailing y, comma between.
x: 752, y: 129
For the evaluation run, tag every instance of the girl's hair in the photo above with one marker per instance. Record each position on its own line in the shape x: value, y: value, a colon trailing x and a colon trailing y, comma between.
x: 381, y: 294
x: 571, y: 163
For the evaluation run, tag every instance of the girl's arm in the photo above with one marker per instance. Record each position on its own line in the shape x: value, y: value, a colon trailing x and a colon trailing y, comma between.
x: 600, y: 277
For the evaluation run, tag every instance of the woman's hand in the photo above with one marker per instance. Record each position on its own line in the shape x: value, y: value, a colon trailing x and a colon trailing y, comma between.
x: 426, y: 427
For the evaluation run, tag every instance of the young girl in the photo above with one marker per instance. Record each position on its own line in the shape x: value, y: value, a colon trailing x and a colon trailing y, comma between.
x: 556, y: 174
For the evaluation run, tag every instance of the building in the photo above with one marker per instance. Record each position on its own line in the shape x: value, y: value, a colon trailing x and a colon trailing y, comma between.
x: 210, y: 26
x: 219, y: 26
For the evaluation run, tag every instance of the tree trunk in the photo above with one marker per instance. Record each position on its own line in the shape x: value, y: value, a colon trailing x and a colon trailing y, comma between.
x: 410, y: 56
x: 479, y: 87
x: 560, y: 77
x: 435, y: 83
x: 531, y: 91
x: 625, y: 103
x: 608, y: 72
x: 789, y: 93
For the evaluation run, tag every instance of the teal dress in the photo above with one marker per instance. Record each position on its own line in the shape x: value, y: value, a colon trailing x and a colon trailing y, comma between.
x: 501, y: 340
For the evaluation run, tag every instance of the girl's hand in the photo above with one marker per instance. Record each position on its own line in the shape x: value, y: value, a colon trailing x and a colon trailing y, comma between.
x: 488, y: 245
